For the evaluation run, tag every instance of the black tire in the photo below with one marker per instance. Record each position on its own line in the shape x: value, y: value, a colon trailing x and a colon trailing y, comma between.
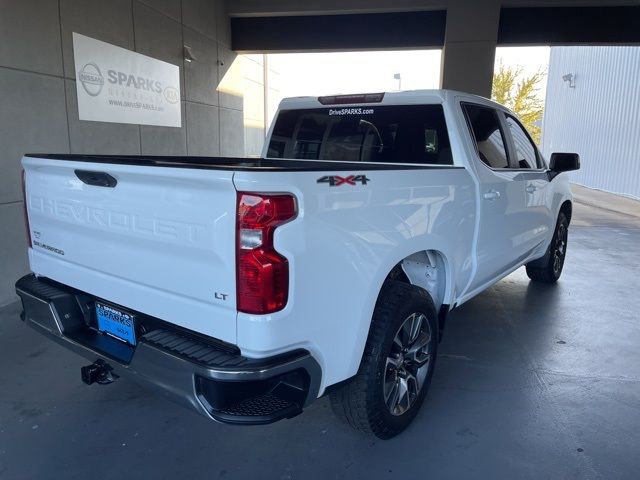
x: 361, y: 401
x: 550, y: 271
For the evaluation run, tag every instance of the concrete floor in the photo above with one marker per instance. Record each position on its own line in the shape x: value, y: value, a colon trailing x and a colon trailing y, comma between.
x: 532, y: 381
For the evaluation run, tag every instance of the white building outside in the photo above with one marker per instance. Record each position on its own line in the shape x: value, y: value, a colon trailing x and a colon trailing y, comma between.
x: 592, y: 108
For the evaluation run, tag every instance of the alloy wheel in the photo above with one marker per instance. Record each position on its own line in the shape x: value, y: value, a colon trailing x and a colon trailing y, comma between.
x: 408, y: 363
x: 560, y: 248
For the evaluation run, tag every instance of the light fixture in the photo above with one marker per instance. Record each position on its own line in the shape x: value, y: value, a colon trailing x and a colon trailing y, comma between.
x: 188, y: 54
x: 397, y: 76
x: 570, y: 78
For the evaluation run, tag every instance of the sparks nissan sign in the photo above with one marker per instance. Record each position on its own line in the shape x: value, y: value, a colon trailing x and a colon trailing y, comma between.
x: 120, y: 86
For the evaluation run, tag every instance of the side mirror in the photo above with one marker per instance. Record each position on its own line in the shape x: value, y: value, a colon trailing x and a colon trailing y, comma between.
x: 564, y: 162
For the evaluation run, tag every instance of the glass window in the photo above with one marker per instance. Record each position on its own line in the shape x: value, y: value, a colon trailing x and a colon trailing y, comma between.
x: 485, y: 128
x: 390, y: 133
x: 430, y: 141
x: 526, y: 154
x: 309, y: 138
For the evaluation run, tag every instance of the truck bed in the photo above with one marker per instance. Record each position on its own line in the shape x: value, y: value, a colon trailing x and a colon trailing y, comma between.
x: 235, y: 163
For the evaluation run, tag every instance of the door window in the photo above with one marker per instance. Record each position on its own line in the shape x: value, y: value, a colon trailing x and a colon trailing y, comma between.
x: 526, y: 153
x: 485, y: 129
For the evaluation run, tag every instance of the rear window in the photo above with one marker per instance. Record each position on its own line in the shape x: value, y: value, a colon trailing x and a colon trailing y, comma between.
x: 395, y: 134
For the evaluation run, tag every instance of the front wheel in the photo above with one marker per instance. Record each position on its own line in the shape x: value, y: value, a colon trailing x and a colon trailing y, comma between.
x: 394, y: 375
x: 551, y: 270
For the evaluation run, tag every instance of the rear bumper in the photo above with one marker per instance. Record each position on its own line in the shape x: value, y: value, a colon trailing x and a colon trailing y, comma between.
x: 200, y: 373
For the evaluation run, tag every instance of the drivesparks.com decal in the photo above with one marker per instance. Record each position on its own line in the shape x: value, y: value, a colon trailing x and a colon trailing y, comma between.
x: 336, y: 180
x: 351, y: 111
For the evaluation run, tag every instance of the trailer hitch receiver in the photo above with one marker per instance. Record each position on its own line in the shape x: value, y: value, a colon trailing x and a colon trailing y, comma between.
x: 98, y: 372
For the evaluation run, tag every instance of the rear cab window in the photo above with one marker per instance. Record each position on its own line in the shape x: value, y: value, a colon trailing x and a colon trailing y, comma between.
x: 414, y: 134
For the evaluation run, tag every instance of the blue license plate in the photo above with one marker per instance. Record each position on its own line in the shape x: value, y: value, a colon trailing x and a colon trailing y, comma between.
x: 116, y: 323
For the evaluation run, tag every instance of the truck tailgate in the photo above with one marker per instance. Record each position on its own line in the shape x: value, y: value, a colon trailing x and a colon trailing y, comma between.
x: 161, y: 241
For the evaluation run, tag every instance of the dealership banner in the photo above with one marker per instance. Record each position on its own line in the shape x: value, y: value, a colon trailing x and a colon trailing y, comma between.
x: 120, y: 86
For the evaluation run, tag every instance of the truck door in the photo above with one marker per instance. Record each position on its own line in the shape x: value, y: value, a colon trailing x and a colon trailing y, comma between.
x: 500, y: 234
x: 533, y: 183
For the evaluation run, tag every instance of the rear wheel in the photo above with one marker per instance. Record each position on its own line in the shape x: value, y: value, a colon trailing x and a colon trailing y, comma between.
x: 552, y: 269
x: 394, y: 375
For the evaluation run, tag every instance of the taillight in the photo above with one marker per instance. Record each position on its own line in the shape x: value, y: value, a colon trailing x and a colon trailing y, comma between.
x: 24, y: 204
x: 262, y: 273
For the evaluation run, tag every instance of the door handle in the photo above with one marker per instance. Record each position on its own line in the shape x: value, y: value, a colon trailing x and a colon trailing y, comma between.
x: 98, y: 179
x: 531, y: 188
x: 491, y: 195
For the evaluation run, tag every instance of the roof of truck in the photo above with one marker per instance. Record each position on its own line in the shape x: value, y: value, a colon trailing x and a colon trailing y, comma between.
x: 407, y: 97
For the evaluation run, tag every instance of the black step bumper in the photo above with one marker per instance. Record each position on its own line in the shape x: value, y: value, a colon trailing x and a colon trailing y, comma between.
x: 201, y: 373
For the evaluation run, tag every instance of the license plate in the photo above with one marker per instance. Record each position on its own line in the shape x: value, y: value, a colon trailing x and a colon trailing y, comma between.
x: 116, y: 323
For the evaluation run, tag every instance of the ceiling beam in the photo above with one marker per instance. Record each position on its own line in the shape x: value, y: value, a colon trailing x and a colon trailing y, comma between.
x: 271, y: 8
x: 396, y: 30
x: 426, y: 29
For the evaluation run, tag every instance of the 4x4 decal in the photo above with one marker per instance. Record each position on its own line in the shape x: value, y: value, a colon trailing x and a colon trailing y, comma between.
x: 336, y: 180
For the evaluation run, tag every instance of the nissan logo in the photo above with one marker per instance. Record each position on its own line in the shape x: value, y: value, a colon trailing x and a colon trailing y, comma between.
x: 91, y: 79
x: 172, y: 95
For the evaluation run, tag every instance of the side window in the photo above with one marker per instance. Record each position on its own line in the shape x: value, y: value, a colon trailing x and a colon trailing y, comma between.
x: 526, y: 154
x: 485, y: 128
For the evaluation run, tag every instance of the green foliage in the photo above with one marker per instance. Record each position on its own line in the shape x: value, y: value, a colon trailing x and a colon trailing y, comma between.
x: 520, y: 95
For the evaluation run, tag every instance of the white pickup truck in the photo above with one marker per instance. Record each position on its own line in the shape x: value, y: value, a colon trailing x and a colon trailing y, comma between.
x: 247, y: 288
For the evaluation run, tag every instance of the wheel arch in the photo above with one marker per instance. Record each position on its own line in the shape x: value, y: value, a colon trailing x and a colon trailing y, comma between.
x: 427, y: 269
x: 567, y: 209
x: 422, y: 261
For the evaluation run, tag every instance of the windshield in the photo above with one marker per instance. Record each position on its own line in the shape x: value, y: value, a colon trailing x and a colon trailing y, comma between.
x: 392, y: 133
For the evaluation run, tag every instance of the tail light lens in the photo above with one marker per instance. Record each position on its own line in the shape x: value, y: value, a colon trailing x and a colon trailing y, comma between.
x: 24, y: 204
x: 262, y: 273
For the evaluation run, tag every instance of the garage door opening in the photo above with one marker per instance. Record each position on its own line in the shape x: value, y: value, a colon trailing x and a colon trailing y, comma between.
x: 581, y: 99
x: 520, y: 82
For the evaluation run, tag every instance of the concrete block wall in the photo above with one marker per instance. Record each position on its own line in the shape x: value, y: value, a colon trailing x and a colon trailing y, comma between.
x: 39, y: 113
